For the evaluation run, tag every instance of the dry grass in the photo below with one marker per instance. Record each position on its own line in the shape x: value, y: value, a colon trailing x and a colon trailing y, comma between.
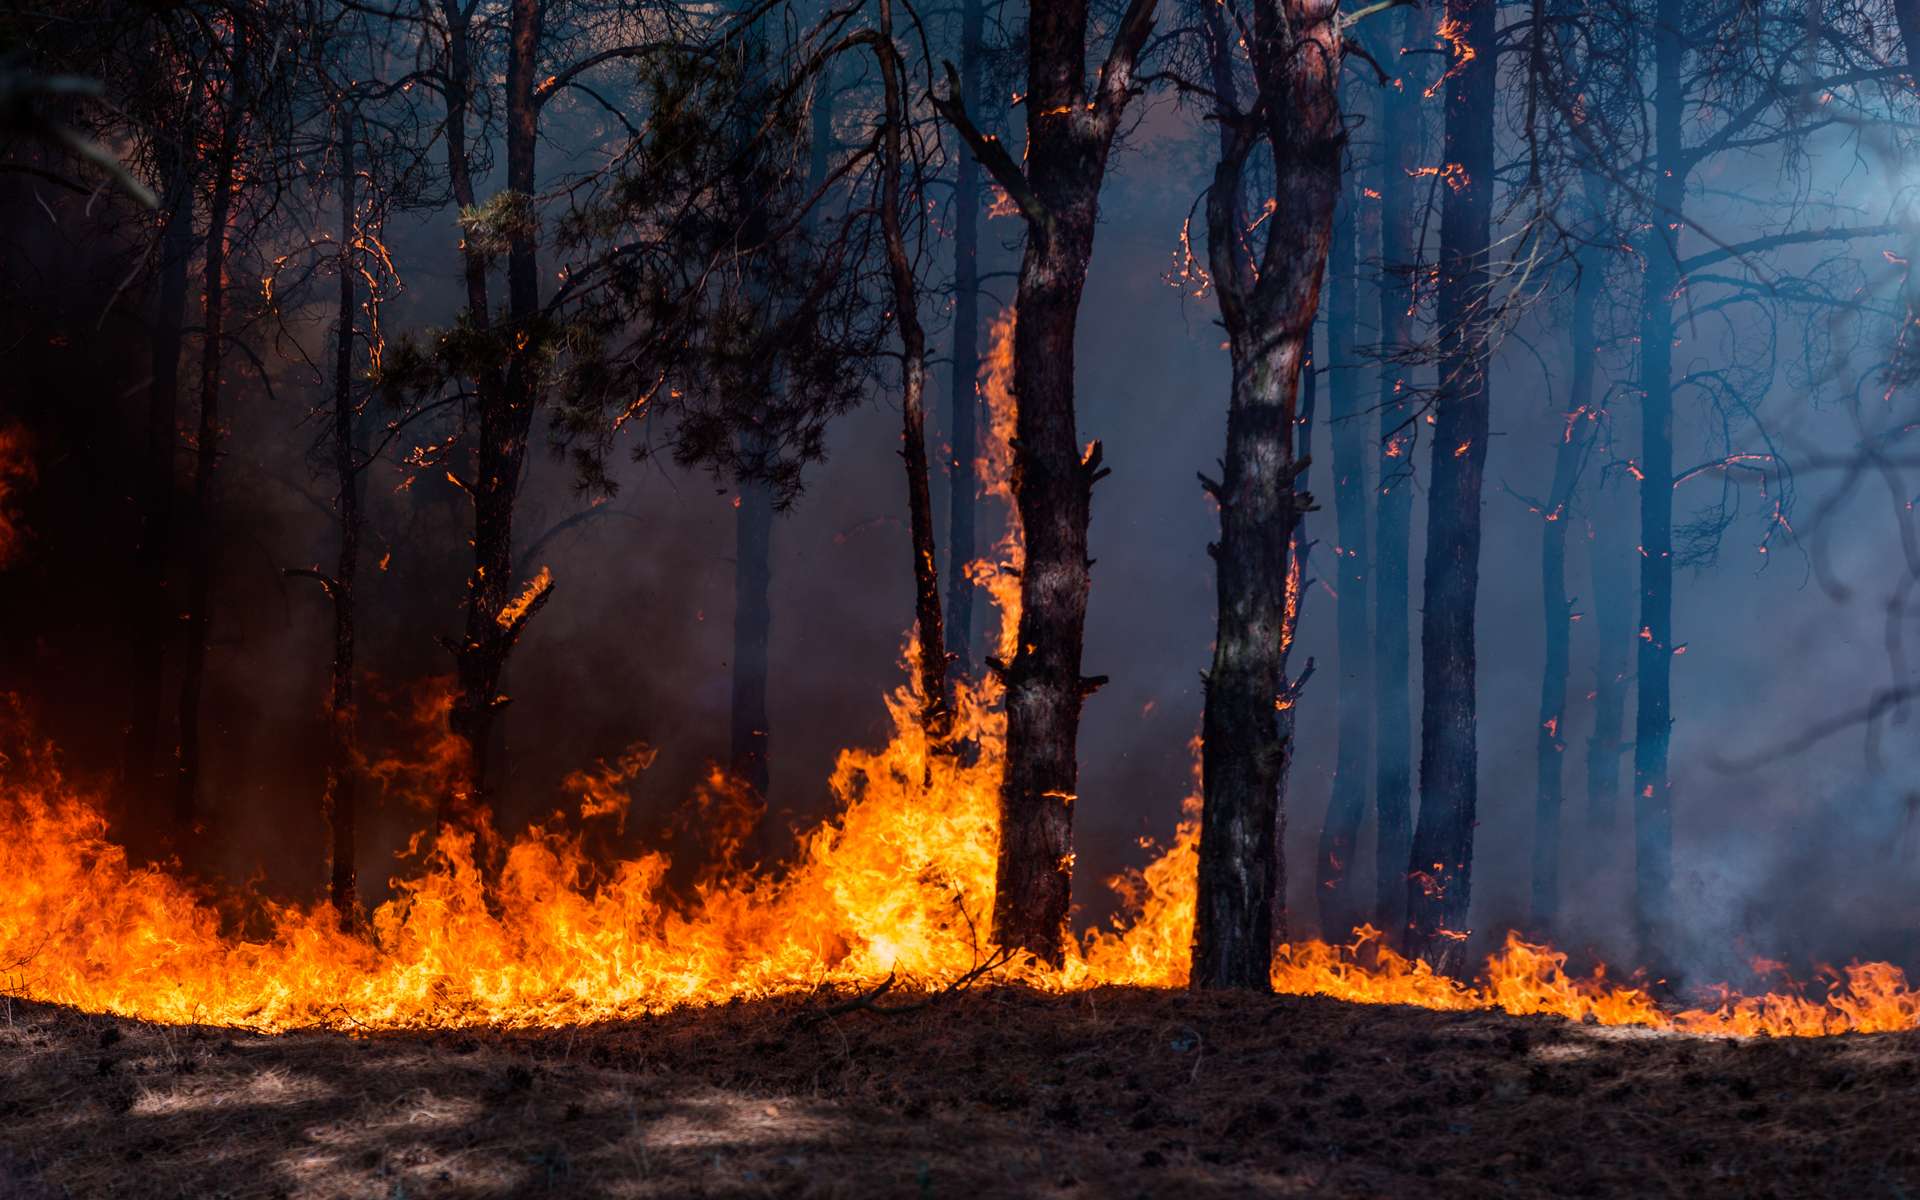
x: 996, y: 1093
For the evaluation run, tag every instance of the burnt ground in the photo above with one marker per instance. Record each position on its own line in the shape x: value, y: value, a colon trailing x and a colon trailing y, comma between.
x: 1002, y: 1092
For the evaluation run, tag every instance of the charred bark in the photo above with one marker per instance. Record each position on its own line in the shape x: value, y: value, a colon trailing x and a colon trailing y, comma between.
x: 1610, y: 551
x: 1556, y: 608
x: 752, y: 632
x: 200, y: 557
x: 1440, y: 873
x: 343, y: 756
x: 1393, y: 511
x: 1652, y: 797
x: 498, y: 608
x: 1268, y: 314
x: 963, y: 396
x: 1069, y: 135
x: 934, y: 710
x: 153, y: 617
x: 1353, y: 755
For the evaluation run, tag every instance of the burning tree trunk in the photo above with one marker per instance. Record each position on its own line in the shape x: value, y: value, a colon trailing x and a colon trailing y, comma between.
x: 913, y: 374
x: 963, y: 398
x: 206, y: 461
x: 1353, y: 755
x: 1268, y: 313
x: 1557, y: 609
x: 1440, y: 872
x: 496, y: 611
x: 1058, y: 194
x: 1393, y: 516
x: 1652, y: 799
x: 153, y: 616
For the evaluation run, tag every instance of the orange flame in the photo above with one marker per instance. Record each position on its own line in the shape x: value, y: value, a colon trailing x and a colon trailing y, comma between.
x: 899, y: 882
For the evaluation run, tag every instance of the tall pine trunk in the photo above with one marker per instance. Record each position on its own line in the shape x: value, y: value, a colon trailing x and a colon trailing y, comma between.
x: 913, y: 375
x: 1401, y: 154
x: 1556, y: 608
x: 498, y: 606
x: 1353, y: 754
x: 343, y: 775
x: 752, y: 632
x: 1652, y: 797
x: 153, y: 617
x: 1610, y: 557
x: 963, y: 397
x: 200, y: 555
x: 1070, y: 130
x: 1440, y: 875
x: 1268, y: 313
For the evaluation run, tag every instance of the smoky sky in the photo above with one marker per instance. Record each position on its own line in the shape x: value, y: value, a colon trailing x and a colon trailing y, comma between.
x: 1806, y: 857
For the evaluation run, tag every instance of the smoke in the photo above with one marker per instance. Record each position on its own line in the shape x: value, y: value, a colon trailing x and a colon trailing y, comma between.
x: 1805, y: 858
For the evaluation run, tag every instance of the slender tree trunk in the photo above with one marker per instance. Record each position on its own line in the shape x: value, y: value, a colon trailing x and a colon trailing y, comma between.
x: 1268, y: 315
x: 1653, y: 799
x: 1353, y: 756
x: 1441, y: 868
x: 963, y: 396
x: 200, y: 562
x: 343, y: 774
x: 913, y: 374
x: 1393, y: 513
x: 153, y: 618
x: 1069, y: 134
x: 1550, y: 744
x: 752, y: 631
x: 1610, y: 552
x: 497, y: 607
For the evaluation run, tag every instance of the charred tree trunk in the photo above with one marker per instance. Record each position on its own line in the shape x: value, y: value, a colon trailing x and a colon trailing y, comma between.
x: 206, y: 462
x: 963, y: 396
x: 1393, y: 511
x: 913, y: 374
x: 1556, y: 608
x: 1652, y: 797
x: 497, y: 608
x: 1353, y: 756
x: 1269, y: 316
x: 1069, y: 135
x: 752, y: 631
x: 1610, y: 552
x: 153, y: 617
x: 343, y: 772
x: 1441, y: 869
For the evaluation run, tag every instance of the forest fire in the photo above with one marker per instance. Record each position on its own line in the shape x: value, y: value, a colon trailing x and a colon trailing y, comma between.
x: 898, y: 884
x: 533, y: 931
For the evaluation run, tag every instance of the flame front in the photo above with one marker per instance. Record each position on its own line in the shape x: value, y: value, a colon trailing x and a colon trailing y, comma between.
x: 533, y: 932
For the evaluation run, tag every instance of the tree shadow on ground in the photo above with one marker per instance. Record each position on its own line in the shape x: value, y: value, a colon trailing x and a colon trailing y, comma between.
x: 1001, y: 1092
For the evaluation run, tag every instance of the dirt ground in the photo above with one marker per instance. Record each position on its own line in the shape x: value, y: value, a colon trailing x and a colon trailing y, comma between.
x: 1001, y: 1092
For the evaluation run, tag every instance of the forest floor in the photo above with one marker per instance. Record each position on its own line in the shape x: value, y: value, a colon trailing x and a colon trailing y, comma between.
x: 995, y: 1092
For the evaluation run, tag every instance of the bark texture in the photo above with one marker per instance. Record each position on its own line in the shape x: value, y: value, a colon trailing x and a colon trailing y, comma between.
x: 200, y: 553
x: 498, y: 605
x: 153, y: 617
x: 1652, y: 795
x: 1440, y: 875
x: 1340, y: 909
x: 963, y: 396
x: 1401, y: 153
x: 1268, y: 310
x: 1070, y: 131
